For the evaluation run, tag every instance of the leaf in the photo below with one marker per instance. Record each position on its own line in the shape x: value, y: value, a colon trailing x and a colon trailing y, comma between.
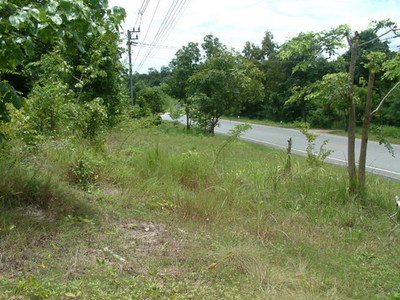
x: 56, y: 19
x: 9, y: 94
x: 71, y: 295
x: 212, y: 266
x: 16, y: 21
x: 80, y: 47
x: 29, y: 47
x: 35, y: 13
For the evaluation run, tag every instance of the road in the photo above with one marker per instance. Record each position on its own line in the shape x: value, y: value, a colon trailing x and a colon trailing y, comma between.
x: 379, y: 160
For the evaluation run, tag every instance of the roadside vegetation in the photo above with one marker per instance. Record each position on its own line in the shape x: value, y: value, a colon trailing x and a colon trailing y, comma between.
x: 101, y: 199
x: 148, y: 215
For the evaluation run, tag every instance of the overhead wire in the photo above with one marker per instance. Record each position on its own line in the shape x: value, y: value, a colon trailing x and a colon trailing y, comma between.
x: 160, y: 46
x: 147, y: 32
x: 172, y: 26
x: 141, y: 11
x: 160, y: 30
x: 174, y: 8
x: 174, y: 13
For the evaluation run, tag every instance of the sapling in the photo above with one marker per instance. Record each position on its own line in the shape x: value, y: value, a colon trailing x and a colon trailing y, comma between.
x: 234, y: 135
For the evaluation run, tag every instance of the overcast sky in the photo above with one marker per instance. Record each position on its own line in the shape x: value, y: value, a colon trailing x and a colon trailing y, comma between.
x: 236, y: 21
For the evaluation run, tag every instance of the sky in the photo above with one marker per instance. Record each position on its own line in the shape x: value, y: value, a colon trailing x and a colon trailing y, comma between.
x: 236, y: 21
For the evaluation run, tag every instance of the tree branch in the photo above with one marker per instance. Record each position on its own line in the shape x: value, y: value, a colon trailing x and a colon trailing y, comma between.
x: 384, y: 98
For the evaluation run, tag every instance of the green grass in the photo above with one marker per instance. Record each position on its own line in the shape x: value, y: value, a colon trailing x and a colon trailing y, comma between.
x: 148, y: 216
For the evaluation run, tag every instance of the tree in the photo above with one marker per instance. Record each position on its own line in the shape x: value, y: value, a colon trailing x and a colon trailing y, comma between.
x: 185, y: 63
x: 328, y: 94
x: 27, y: 23
x: 212, y: 46
x: 355, y: 43
x: 224, y: 84
x: 306, y: 54
x: 376, y: 64
x: 152, y: 99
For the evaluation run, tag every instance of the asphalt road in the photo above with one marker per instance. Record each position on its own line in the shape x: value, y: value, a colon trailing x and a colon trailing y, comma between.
x: 379, y: 160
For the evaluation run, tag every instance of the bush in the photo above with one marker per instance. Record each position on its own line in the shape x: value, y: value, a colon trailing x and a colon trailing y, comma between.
x: 47, y: 106
x: 84, y: 171
x: 152, y: 99
x: 91, y: 119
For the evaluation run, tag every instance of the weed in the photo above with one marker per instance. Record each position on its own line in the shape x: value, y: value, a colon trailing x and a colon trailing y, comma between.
x: 315, y: 158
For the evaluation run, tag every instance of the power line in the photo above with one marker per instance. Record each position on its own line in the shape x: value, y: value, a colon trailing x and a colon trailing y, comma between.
x: 141, y: 12
x: 161, y: 30
x: 173, y: 24
x: 145, y: 36
x: 170, y: 19
x: 160, y: 46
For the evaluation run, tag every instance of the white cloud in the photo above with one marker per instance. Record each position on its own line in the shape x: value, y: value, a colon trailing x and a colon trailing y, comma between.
x: 238, y: 21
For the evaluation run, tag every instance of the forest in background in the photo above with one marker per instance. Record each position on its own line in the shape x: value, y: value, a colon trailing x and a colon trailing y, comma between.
x: 302, y: 80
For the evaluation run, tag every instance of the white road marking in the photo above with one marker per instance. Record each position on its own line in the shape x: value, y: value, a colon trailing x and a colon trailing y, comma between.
x: 329, y: 158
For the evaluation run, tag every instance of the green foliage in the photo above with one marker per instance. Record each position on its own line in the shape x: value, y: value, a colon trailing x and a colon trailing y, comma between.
x: 47, y: 107
x: 223, y: 85
x: 23, y: 184
x: 212, y: 46
x: 8, y: 95
x: 91, y: 119
x: 382, y: 133
x: 67, y: 23
x: 392, y: 68
x: 185, y: 63
x: 152, y: 99
x: 329, y: 95
x: 314, y: 158
x: 84, y: 171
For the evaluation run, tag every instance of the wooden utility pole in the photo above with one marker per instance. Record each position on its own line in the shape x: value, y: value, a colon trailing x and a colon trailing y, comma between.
x: 131, y: 42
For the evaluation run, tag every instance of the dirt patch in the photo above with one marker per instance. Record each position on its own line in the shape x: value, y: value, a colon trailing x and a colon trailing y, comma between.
x: 139, y: 246
x: 148, y: 238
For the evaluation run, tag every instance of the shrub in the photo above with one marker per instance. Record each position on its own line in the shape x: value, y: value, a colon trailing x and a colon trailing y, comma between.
x: 84, y: 171
x: 91, y: 119
x: 47, y: 106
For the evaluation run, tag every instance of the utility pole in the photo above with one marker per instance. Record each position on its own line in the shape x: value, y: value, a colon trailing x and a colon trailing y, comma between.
x: 131, y: 42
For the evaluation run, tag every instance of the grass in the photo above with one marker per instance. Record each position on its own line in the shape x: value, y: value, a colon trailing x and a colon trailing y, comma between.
x: 148, y: 216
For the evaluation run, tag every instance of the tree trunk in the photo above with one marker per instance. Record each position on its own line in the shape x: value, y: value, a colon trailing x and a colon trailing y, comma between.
x: 364, y: 138
x: 351, y: 138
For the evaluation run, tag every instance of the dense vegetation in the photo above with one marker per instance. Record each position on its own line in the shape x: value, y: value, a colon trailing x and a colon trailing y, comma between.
x: 100, y: 199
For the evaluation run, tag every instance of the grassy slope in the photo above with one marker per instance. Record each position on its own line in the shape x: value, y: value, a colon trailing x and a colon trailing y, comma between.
x: 161, y: 223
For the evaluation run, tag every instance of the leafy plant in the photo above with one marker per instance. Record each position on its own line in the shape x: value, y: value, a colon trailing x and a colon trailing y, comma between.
x: 234, y: 135
x: 84, y: 171
x: 315, y: 158
x: 92, y: 119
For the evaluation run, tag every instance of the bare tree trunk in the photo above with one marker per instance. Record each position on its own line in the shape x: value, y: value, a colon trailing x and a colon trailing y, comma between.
x: 351, y: 157
x: 364, y: 138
